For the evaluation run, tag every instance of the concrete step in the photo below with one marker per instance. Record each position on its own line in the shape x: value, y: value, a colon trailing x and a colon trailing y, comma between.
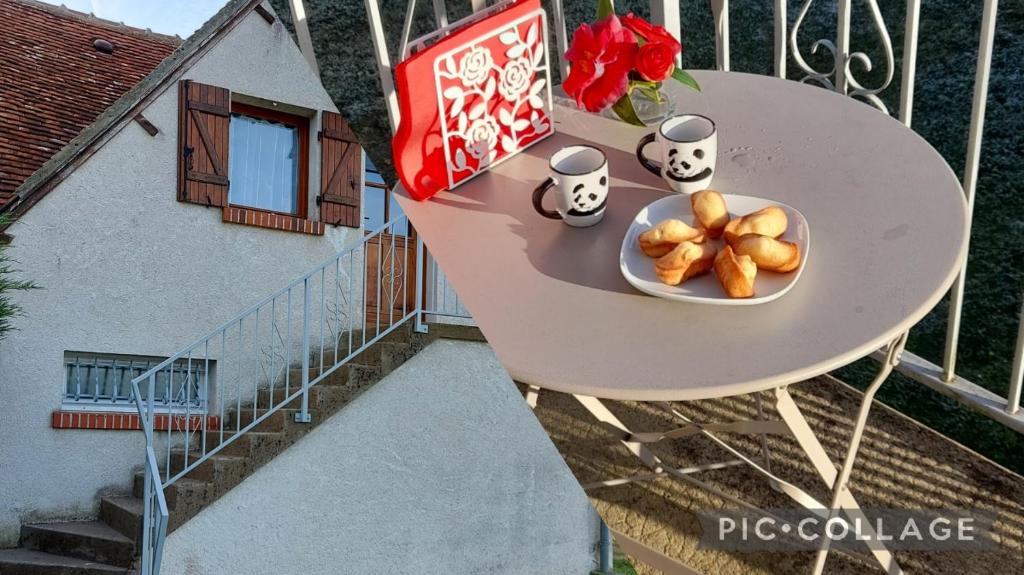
x: 336, y: 377
x: 124, y: 514
x: 454, y: 331
x: 217, y: 467
x: 317, y: 393
x: 276, y: 421
x: 394, y: 354
x: 30, y: 562
x: 185, y: 487
x: 89, y: 540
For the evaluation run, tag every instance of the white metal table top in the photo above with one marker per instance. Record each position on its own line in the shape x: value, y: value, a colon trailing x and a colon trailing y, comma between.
x: 887, y: 217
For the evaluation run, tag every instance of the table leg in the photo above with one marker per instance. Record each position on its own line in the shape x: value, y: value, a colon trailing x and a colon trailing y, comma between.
x: 598, y: 410
x: 840, y: 494
x: 532, y: 395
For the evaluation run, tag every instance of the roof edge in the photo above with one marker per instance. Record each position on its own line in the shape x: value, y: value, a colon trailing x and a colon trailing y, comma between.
x: 42, y: 180
x: 63, y: 11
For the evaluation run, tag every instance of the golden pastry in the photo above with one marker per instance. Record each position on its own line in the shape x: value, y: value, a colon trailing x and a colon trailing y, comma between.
x: 735, y: 273
x: 769, y: 253
x: 685, y: 261
x: 770, y: 221
x: 664, y: 237
x: 710, y: 212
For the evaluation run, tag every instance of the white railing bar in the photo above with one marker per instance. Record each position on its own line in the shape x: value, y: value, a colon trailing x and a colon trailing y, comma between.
x: 913, y: 18
x: 842, y: 54
x: 420, y: 266
x: 781, y: 20
x: 380, y: 51
x: 251, y: 309
x: 403, y: 43
x: 301, y: 24
x: 440, y: 13
x: 1017, y: 373
x: 720, y: 8
x: 985, y: 42
x: 561, y: 38
x: 666, y: 13
x: 478, y: 5
x: 964, y: 391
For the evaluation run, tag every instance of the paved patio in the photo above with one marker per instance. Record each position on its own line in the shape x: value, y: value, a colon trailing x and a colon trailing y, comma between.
x: 901, y: 464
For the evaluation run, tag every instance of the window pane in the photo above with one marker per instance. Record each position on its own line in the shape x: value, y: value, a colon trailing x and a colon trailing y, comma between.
x: 373, y: 208
x: 401, y: 228
x: 263, y: 164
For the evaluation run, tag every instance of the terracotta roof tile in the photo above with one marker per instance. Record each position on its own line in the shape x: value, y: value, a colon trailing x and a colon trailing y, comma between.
x: 54, y: 82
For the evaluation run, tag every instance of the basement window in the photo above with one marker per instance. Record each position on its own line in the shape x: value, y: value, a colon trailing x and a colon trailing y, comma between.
x: 95, y: 381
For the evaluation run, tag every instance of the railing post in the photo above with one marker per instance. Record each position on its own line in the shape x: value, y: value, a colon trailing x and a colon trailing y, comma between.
x: 781, y: 22
x: 666, y: 13
x: 974, y: 136
x: 303, y: 415
x: 1017, y: 374
x: 842, y: 54
x: 720, y: 10
x: 148, y: 482
x: 605, y: 552
x: 420, y: 326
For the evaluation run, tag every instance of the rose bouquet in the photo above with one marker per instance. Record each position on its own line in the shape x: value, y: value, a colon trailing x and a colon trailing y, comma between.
x: 613, y: 57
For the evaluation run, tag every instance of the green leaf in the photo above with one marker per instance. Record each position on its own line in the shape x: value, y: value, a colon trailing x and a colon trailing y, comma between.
x: 684, y: 78
x: 624, y: 110
x: 605, y: 8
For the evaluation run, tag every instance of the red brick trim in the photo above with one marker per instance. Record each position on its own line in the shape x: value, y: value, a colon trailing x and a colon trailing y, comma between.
x: 128, y: 421
x: 272, y: 220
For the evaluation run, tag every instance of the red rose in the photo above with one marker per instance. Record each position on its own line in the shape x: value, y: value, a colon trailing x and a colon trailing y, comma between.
x: 651, y: 33
x: 655, y: 61
x: 602, y: 56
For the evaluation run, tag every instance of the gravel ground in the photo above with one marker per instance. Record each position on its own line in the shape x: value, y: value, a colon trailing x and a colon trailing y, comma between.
x: 947, y: 52
x: 901, y: 465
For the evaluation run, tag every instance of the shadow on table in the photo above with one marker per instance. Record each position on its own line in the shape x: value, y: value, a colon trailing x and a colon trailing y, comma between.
x: 553, y: 248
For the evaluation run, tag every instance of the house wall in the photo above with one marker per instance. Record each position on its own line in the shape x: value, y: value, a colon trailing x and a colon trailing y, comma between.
x: 439, y: 468
x: 127, y: 269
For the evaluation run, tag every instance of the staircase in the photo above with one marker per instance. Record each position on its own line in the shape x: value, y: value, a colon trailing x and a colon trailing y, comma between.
x: 111, y: 544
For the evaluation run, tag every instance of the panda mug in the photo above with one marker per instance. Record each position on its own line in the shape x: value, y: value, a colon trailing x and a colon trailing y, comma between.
x: 579, y: 177
x: 689, y: 147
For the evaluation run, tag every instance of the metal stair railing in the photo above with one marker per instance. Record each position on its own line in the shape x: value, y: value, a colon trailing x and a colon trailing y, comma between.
x: 269, y: 356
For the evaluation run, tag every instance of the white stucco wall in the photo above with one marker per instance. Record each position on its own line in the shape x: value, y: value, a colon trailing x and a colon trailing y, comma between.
x: 127, y: 269
x: 439, y: 468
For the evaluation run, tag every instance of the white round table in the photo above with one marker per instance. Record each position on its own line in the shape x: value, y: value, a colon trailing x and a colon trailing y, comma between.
x: 888, y: 223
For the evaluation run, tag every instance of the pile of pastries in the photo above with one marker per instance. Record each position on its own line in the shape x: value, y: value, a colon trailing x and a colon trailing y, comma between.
x: 683, y: 251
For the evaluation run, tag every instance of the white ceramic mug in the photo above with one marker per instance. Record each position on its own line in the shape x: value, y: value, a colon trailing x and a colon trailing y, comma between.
x: 579, y: 176
x: 689, y: 147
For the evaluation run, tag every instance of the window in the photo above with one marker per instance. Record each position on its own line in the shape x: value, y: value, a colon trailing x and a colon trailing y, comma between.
x: 104, y: 381
x: 268, y: 160
x: 379, y: 204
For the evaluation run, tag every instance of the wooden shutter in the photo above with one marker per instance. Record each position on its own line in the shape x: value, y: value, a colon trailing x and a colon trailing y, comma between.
x: 204, y: 113
x: 340, y: 169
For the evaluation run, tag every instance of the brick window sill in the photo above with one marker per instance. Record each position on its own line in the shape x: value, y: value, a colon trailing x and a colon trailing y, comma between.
x: 110, y: 421
x: 271, y: 220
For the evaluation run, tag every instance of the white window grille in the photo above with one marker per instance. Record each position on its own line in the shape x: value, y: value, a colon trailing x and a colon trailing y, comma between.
x: 97, y: 381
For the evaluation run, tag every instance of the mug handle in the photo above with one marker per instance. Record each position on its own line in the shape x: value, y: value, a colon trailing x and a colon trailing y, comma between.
x: 651, y: 166
x: 538, y: 198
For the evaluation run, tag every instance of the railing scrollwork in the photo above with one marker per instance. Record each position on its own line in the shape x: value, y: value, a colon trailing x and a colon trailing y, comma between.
x: 849, y: 84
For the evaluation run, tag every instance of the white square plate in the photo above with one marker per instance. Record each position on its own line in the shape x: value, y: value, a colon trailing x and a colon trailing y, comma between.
x: 638, y: 268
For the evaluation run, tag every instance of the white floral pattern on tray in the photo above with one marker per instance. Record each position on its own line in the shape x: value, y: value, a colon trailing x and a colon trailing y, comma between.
x: 495, y: 96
